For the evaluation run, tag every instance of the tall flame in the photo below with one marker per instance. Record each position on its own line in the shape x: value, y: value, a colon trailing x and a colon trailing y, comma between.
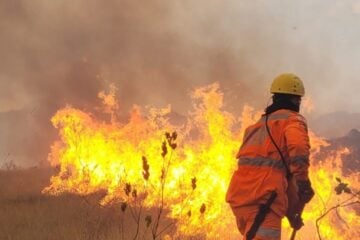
x: 96, y: 155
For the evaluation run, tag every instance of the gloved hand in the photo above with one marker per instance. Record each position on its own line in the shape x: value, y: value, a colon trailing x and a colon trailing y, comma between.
x: 305, y: 191
x: 296, y: 222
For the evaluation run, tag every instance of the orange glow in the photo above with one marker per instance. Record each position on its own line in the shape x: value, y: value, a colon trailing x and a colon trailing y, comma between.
x: 307, y: 105
x: 96, y: 155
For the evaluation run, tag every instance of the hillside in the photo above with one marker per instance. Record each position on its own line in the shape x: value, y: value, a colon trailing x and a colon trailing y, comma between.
x: 351, y: 141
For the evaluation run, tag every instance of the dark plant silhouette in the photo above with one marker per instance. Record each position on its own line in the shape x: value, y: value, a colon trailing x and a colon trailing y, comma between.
x: 353, y: 199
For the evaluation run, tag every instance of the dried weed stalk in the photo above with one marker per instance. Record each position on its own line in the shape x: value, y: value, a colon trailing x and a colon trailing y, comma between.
x: 135, y: 204
x: 341, y: 188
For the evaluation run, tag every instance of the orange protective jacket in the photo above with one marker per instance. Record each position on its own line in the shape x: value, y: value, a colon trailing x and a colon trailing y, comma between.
x: 260, y: 168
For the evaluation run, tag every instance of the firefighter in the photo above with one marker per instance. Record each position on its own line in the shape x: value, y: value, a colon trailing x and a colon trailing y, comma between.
x: 274, y: 155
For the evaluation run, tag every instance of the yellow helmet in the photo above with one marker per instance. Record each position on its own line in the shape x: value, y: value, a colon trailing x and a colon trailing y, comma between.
x: 288, y: 83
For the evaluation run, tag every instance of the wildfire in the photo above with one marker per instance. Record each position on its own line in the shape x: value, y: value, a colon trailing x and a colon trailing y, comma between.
x: 187, y: 170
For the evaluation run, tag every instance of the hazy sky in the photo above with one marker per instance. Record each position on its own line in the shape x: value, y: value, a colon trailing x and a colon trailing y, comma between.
x: 176, y: 45
x: 157, y: 51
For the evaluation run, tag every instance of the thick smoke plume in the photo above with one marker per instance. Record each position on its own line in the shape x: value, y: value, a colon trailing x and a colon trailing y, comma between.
x: 55, y: 53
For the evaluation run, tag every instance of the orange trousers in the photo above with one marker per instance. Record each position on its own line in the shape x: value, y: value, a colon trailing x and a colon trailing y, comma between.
x: 270, y: 229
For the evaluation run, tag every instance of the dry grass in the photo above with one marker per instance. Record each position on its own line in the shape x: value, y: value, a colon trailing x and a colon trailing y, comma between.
x: 26, y: 214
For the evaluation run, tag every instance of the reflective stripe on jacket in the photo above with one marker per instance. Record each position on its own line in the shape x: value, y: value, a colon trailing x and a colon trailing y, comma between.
x: 261, y: 169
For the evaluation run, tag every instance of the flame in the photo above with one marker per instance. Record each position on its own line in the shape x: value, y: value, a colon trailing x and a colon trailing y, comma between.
x: 194, y: 165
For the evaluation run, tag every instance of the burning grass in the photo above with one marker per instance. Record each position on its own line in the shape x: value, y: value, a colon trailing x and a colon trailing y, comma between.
x: 26, y: 214
x: 149, y: 179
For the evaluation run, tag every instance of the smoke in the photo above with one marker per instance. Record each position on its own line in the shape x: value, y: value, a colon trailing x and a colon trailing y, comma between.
x: 55, y: 53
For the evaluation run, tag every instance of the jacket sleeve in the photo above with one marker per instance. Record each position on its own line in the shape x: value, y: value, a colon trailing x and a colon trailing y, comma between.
x: 298, y: 146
